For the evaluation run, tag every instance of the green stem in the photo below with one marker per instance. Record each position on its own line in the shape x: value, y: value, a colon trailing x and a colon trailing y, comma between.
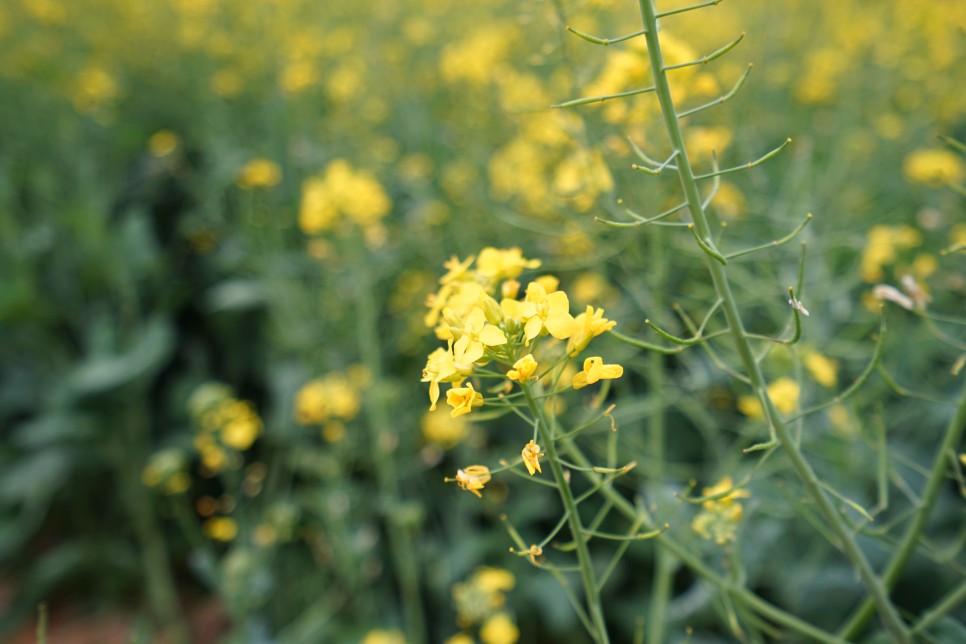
x: 679, y: 550
x: 801, y: 466
x: 907, y: 545
x: 587, y: 575
x: 937, y: 612
x: 399, y: 526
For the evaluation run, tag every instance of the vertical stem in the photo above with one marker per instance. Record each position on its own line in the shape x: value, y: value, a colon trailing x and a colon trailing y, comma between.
x: 383, y: 440
x: 587, y: 575
x: 907, y: 545
x: 128, y: 452
x: 802, y: 468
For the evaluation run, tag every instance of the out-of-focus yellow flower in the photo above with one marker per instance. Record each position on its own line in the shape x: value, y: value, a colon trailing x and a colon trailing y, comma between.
x: 531, y: 457
x: 220, y: 528
x: 482, y: 595
x: 703, y: 141
x: 162, y: 143
x: 94, y: 87
x: 594, y: 371
x: 784, y: 394
x: 719, y: 517
x: 384, y: 636
x: 499, y: 629
x: 824, y: 370
x: 463, y: 399
x: 587, y: 326
x: 882, y: 249
x: 259, y: 173
x: 441, y: 429
x: 498, y: 264
x: 167, y: 470
x: 934, y: 166
x: 729, y: 200
x: 460, y: 638
x: 523, y: 369
x: 473, y: 478
x: 332, y: 396
x: 341, y: 190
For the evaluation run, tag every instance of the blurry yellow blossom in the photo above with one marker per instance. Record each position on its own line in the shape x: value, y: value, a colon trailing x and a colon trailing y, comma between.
x: 531, y: 457
x: 226, y: 83
x: 934, y: 166
x: 477, y: 57
x: 784, y: 394
x: 220, y: 528
x: 298, y: 75
x: 594, y: 371
x: 882, y: 247
x: 341, y: 190
x: 333, y: 431
x: 499, y: 629
x: 259, y: 173
x: 441, y: 429
x: 460, y: 638
x: 523, y: 369
x: 824, y: 370
x: 482, y: 595
x: 224, y: 422
x: 703, y: 141
x: 473, y: 478
x: 729, y: 200
x: 384, y: 636
x: 499, y: 264
x: 93, y: 88
x: 719, y: 517
x: 167, y: 470
x: 332, y: 396
x: 162, y: 143
x: 463, y: 399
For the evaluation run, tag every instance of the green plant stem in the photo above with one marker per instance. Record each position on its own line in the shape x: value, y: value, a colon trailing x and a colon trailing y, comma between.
x: 801, y: 466
x: 937, y: 612
x: 535, y: 401
x: 129, y: 451
x: 679, y: 551
x: 907, y: 545
x: 399, y: 523
x: 664, y: 563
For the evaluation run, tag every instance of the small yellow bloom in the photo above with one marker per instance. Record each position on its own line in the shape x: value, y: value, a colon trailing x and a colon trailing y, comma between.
x: 460, y: 638
x: 824, y: 370
x: 498, y: 264
x: 523, y: 369
x: 220, y: 528
x: 546, y: 313
x: 934, y: 166
x: 162, y: 143
x: 499, y: 629
x: 531, y: 457
x: 587, y: 326
x: 595, y: 370
x: 784, y: 394
x: 463, y: 399
x: 473, y: 478
x: 474, y: 336
x: 439, y: 428
x: 440, y: 367
x: 719, y: 517
x: 259, y: 173
x: 533, y: 552
x: 384, y: 636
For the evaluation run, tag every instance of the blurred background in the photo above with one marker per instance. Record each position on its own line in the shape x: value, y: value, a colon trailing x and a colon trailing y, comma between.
x: 220, y: 221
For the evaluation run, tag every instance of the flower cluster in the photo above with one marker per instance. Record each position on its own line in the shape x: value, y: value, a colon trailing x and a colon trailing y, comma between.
x: 227, y: 426
x: 331, y: 400
x: 527, y: 335
x: 721, y: 512
x: 481, y: 600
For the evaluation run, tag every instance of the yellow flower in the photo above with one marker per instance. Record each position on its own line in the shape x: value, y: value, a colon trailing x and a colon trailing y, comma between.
x: 546, y: 313
x: 719, y: 517
x: 473, y: 478
x: 259, y: 173
x: 595, y: 370
x: 474, y: 335
x: 523, y: 369
x: 384, y: 636
x: 440, y: 367
x: 460, y: 638
x: 220, y: 528
x: 531, y: 457
x: 587, y: 326
x: 824, y: 370
x: 934, y: 166
x: 441, y: 429
x: 499, y: 629
x: 456, y: 270
x: 493, y: 580
x: 463, y: 399
x: 784, y: 394
x: 162, y: 143
x: 497, y: 264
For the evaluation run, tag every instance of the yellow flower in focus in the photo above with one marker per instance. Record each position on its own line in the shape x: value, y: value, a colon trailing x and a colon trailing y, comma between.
x: 934, y: 166
x: 587, y: 326
x: 474, y: 336
x: 824, y: 370
x: 523, y: 369
x: 440, y: 367
x: 546, y: 313
x: 441, y: 429
x: 531, y: 457
x: 259, y: 173
x: 784, y: 394
x: 384, y: 636
x: 463, y: 399
x: 594, y: 371
x: 220, y: 528
x: 473, y: 478
x: 499, y: 629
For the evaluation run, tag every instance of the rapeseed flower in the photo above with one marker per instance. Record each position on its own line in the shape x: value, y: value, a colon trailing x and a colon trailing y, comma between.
x: 463, y: 399
x: 473, y: 478
x: 531, y: 457
x: 544, y: 313
x: 594, y: 371
x: 784, y: 394
x: 523, y: 369
x: 719, y: 517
